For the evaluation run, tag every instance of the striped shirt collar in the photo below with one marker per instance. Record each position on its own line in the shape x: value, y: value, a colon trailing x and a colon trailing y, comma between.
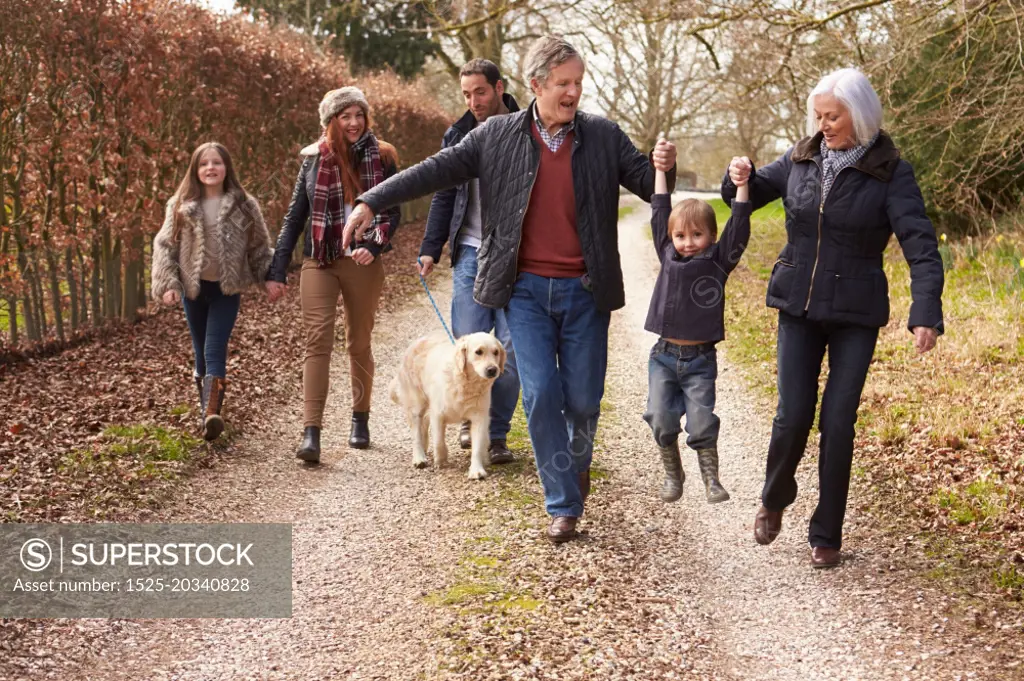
x: 554, y: 142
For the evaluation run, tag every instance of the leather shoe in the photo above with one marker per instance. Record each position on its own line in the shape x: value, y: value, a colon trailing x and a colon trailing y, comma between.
x: 585, y: 484
x: 562, y: 529
x: 499, y: 452
x: 825, y: 557
x: 767, y: 525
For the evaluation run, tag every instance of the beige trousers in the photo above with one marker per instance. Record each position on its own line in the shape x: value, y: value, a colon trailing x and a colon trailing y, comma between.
x: 360, y: 287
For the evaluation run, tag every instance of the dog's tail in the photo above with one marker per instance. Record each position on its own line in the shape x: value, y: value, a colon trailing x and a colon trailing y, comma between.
x: 393, y: 390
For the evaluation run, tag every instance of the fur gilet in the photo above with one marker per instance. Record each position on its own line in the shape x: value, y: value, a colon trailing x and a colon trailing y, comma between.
x: 245, y: 247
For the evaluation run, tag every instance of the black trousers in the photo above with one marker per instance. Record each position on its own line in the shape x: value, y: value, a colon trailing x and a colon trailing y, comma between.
x: 801, y: 348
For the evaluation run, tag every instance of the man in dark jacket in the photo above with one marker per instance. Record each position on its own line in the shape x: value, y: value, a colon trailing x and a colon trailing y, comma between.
x: 549, y: 185
x: 455, y: 218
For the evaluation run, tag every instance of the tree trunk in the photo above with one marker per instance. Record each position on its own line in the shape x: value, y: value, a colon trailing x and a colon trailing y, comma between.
x: 12, y: 320
x: 30, y: 320
x: 132, y: 272
x: 55, y: 293
x: 69, y: 275
x: 94, y: 281
x: 39, y: 298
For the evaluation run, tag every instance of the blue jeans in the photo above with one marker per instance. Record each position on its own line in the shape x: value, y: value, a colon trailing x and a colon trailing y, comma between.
x: 801, y: 349
x: 211, y: 318
x: 468, y: 316
x: 681, y: 380
x: 561, y: 341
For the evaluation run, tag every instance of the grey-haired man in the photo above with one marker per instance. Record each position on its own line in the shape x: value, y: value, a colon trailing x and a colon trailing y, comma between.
x: 549, y: 182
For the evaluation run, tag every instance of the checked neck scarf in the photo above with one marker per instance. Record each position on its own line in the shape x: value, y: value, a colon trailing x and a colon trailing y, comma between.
x: 329, y: 199
x: 834, y: 160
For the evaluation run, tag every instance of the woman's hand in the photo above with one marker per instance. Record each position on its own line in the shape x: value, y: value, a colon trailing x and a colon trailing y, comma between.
x: 362, y: 256
x: 170, y: 298
x: 924, y: 338
x: 739, y: 170
x: 275, y: 290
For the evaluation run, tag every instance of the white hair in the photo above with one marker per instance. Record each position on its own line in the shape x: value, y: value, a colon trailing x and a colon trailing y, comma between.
x: 853, y: 90
x: 546, y: 53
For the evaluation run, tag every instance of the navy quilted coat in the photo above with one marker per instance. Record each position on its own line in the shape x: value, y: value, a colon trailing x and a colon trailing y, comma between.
x: 831, y: 266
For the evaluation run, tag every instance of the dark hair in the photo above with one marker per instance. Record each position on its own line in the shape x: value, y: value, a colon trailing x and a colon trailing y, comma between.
x: 484, y: 67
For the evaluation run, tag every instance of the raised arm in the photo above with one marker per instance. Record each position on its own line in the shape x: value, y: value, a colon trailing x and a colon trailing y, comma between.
x: 636, y: 171
x: 766, y: 185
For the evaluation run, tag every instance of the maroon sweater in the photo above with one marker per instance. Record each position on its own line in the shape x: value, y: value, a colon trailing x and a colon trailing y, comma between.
x: 550, y: 245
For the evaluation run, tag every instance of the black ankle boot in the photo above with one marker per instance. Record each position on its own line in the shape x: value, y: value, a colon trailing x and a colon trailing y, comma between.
x: 309, y: 450
x: 360, y: 437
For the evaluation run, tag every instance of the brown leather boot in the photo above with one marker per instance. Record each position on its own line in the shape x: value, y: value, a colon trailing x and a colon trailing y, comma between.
x: 825, y: 557
x: 767, y: 525
x: 213, y: 392
x: 562, y: 529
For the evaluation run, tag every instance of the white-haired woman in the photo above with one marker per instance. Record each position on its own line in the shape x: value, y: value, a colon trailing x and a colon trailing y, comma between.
x: 845, y: 191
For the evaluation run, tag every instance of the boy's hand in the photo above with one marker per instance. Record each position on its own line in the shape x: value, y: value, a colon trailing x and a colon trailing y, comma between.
x: 664, y: 155
x: 739, y: 170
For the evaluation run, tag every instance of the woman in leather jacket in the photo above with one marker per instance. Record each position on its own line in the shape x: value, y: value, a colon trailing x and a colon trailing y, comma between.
x: 346, y: 161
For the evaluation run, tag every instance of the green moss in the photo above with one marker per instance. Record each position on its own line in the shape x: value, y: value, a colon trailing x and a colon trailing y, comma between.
x: 981, y: 502
x: 179, y: 410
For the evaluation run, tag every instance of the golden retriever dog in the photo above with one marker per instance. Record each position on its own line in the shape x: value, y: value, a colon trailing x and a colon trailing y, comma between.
x: 440, y: 383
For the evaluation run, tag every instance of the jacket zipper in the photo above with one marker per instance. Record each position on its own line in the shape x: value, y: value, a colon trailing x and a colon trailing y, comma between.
x: 817, y: 245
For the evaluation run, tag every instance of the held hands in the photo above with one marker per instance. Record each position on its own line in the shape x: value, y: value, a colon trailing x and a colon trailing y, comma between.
x: 664, y: 155
x: 362, y: 256
x: 739, y: 170
x: 275, y: 290
x: 924, y: 339
x: 425, y: 265
x: 358, y: 222
x: 170, y: 298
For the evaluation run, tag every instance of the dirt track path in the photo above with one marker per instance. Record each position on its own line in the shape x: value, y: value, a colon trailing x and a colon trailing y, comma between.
x: 405, y: 574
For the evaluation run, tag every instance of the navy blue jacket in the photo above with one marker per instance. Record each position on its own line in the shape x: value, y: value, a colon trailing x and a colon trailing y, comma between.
x: 831, y: 266
x: 688, y: 302
x: 448, y: 207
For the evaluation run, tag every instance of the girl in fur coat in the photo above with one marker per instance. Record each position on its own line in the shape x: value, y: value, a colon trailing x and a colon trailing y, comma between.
x: 212, y: 246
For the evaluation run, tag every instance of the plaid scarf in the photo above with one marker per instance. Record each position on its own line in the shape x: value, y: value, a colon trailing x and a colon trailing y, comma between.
x: 834, y: 160
x: 329, y: 199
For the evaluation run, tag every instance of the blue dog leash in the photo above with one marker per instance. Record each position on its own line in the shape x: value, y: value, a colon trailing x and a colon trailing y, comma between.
x: 439, y: 316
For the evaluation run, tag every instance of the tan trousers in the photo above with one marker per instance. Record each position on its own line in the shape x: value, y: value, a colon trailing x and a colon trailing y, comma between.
x: 360, y: 287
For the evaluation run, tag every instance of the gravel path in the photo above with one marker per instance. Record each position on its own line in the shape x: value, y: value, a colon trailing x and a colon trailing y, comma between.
x: 406, y: 574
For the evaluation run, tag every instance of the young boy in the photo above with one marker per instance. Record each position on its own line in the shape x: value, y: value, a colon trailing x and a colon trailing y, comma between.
x: 688, y: 313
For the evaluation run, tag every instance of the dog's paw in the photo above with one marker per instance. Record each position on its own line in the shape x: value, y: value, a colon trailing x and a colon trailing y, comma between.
x: 420, y: 461
x: 477, y: 473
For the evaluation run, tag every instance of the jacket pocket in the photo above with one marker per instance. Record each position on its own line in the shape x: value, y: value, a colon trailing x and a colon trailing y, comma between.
x: 854, y: 294
x: 781, y: 282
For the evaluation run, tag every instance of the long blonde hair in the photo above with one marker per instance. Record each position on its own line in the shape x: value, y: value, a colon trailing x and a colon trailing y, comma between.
x: 191, y: 188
